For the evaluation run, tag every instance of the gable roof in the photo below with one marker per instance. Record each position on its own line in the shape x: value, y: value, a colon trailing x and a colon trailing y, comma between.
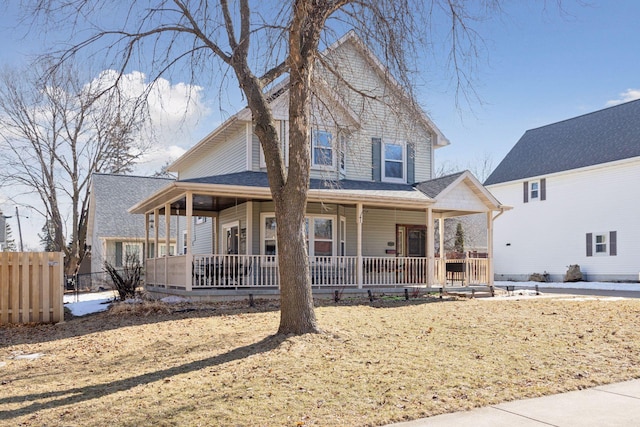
x: 600, y: 137
x: 435, y: 186
x: 279, y: 94
x: 111, y: 197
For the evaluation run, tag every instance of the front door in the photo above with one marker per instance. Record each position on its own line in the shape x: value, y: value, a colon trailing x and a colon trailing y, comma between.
x: 411, y: 240
x: 231, y: 242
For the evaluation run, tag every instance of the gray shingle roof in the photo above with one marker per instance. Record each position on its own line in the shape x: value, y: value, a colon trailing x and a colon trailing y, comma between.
x: 114, y: 195
x: 433, y: 187
x: 602, y: 136
x: 259, y: 179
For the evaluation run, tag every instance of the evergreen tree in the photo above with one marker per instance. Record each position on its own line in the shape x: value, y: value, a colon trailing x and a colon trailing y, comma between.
x: 46, y: 238
x: 10, y: 244
x: 459, y: 244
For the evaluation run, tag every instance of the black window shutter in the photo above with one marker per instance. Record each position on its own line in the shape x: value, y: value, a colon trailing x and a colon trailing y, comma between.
x: 543, y: 189
x: 589, y: 244
x: 118, y: 254
x: 613, y: 243
x: 376, y: 162
x: 411, y: 164
x: 525, y: 192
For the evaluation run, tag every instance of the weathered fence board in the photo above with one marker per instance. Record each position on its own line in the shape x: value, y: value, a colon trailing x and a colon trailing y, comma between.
x: 31, y: 287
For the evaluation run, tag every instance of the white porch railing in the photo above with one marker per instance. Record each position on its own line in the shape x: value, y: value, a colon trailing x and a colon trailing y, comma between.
x: 261, y: 271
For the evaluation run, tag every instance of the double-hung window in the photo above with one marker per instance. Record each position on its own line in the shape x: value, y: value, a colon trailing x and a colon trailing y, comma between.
x: 601, y: 243
x: 394, y: 162
x: 535, y: 190
x: 319, y: 234
x: 322, y: 152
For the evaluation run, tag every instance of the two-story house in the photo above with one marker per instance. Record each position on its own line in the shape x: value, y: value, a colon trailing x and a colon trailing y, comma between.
x: 572, y: 187
x: 372, y: 203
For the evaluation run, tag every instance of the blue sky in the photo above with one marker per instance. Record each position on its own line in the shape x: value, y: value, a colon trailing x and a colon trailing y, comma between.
x: 539, y: 65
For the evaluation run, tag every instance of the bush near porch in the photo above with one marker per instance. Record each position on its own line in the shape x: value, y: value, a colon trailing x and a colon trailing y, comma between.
x: 377, y: 363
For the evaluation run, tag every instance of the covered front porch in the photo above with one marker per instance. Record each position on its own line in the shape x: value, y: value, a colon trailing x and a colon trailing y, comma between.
x: 367, y: 237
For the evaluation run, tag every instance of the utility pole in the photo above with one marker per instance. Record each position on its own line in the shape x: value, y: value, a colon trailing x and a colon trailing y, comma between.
x: 19, y: 229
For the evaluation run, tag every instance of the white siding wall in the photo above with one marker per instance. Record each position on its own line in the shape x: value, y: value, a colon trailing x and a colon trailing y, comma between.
x: 550, y: 235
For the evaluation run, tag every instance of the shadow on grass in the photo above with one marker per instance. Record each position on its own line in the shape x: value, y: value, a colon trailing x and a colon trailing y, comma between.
x: 50, y: 400
x: 137, y: 316
x: 105, y: 321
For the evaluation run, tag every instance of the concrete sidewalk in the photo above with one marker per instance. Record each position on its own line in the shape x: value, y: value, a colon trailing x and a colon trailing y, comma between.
x: 604, y: 406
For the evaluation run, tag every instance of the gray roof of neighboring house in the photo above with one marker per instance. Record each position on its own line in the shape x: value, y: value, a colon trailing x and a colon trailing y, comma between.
x: 435, y: 186
x: 602, y: 136
x: 114, y: 195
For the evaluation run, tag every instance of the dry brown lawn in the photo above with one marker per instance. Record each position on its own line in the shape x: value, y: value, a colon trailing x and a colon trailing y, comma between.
x: 375, y: 364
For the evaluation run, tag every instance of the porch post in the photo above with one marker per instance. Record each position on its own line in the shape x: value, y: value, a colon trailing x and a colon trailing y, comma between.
x: 156, y: 233
x: 359, y: 219
x: 145, y: 255
x: 490, y: 248
x: 167, y: 239
x: 189, y: 255
x: 442, y: 261
x: 430, y: 247
x: 156, y: 242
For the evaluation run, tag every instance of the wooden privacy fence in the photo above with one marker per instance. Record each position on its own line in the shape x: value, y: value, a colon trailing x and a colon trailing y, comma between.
x: 31, y: 287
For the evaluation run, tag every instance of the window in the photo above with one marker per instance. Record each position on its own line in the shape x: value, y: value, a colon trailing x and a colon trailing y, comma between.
x: 322, y: 149
x: 163, y: 250
x: 269, y: 235
x: 343, y: 151
x: 343, y: 236
x: 600, y: 244
x: 535, y: 190
x: 322, y: 236
x: 184, y: 242
x: 319, y: 234
x: 394, y: 165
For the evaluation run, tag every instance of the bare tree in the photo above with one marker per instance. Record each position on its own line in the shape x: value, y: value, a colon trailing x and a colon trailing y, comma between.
x: 206, y: 36
x: 56, y: 132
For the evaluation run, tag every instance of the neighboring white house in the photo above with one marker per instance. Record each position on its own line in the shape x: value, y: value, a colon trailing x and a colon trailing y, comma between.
x: 574, y: 187
x: 372, y: 203
x: 112, y: 232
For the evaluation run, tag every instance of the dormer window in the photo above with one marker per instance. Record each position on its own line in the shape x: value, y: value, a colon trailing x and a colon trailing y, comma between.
x: 322, y: 152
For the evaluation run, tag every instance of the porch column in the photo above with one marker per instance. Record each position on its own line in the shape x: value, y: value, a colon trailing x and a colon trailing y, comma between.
x: 443, y: 262
x: 430, y: 247
x: 359, y: 219
x: 490, y: 248
x: 167, y: 239
x: 189, y: 255
x: 156, y: 242
x: 215, y: 231
x: 156, y: 233
x: 145, y: 254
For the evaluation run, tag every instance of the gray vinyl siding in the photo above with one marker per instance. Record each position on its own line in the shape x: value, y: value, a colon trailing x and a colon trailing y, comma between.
x: 202, y: 242
x: 255, y: 154
x: 227, y: 155
x: 379, y: 228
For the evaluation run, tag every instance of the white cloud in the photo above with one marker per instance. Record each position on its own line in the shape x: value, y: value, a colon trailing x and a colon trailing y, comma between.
x: 174, y: 110
x: 626, y: 96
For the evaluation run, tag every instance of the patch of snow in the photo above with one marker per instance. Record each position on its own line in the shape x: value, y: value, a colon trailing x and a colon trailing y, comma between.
x: 609, y: 286
x: 83, y: 304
